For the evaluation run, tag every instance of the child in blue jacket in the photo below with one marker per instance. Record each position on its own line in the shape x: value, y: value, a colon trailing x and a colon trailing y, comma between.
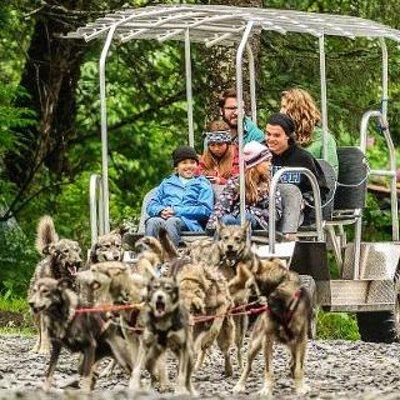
x: 183, y: 201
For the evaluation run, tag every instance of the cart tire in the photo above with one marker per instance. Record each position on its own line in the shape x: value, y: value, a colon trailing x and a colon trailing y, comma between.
x: 308, y: 282
x: 381, y: 327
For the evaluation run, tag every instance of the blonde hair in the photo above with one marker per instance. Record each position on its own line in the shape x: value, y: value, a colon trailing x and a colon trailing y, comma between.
x: 256, y: 182
x: 300, y: 106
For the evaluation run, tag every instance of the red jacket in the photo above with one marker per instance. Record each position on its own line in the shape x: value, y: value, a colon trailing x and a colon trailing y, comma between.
x: 234, y: 170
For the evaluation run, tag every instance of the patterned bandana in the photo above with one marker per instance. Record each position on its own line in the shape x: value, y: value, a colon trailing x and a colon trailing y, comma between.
x: 218, y: 137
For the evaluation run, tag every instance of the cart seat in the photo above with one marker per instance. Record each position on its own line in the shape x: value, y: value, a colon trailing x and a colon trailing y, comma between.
x: 289, y: 223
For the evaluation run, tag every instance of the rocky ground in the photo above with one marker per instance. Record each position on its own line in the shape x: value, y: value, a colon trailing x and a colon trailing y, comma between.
x: 335, y: 369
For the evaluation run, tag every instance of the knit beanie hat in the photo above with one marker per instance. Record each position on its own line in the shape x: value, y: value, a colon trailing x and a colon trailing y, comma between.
x: 184, y: 153
x: 255, y: 153
x: 285, y: 122
x: 218, y: 137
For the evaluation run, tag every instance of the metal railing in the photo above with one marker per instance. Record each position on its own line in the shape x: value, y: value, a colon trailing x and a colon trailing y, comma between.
x: 391, y: 171
x: 272, y: 206
x: 96, y: 205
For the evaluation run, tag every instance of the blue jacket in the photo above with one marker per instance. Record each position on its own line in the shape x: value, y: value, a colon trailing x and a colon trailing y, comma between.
x: 252, y: 132
x: 193, y: 202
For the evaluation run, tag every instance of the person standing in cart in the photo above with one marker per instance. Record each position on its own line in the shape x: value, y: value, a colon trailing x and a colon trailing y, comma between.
x: 183, y: 201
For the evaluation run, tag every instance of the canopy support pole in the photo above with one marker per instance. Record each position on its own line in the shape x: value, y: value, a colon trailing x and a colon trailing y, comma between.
x: 324, y: 106
x: 189, y: 93
x: 104, y: 139
x: 252, y: 73
x: 385, y: 78
x: 240, y: 105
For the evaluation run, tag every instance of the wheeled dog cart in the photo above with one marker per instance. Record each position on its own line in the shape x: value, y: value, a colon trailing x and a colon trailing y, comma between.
x: 368, y: 281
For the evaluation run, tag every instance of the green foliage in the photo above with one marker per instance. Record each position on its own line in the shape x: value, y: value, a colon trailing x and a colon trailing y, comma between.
x: 147, y: 118
x: 18, y: 259
x: 13, y: 304
x: 377, y: 221
x: 11, y: 117
x: 337, y: 326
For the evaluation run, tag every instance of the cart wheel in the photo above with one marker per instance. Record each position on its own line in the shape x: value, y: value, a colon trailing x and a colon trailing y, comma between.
x: 308, y: 282
x: 381, y: 327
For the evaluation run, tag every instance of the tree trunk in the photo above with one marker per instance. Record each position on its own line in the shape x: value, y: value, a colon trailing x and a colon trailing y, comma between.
x: 50, y: 78
x: 220, y: 63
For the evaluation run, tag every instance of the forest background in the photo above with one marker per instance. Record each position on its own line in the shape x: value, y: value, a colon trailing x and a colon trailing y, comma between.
x: 50, y: 119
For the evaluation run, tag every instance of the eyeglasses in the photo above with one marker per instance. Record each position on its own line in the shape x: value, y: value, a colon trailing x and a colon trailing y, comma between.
x: 233, y: 108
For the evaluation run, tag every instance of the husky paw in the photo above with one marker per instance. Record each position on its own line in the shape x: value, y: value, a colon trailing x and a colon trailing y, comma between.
x: 135, y: 386
x: 163, y: 387
x: 70, y: 384
x: 181, y: 391
x: 43, y: 350
x: 228, y: 369
x: 238, y: 388
x: 265, y: 392
x: 46, y: 387
x: 34, y: 349
x: 302, y: 388
x: 108, y: 370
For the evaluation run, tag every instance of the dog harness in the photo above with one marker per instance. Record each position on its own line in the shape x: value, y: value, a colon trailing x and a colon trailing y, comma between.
x: 284, y: 318
x: 162, y: 335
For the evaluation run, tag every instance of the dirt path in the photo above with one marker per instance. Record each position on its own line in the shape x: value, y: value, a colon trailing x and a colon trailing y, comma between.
x: 335, y: 369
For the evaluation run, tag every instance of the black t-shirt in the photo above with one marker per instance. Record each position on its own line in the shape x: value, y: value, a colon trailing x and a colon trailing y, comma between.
x: 295, y: 156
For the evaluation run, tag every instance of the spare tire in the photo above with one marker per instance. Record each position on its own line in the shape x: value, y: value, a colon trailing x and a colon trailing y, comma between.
x: 383, y: 326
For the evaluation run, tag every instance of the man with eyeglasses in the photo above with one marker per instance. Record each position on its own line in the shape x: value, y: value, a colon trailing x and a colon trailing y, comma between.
x: 229, y: 112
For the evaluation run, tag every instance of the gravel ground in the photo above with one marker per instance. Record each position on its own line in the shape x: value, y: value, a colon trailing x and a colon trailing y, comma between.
x: 334, y: 369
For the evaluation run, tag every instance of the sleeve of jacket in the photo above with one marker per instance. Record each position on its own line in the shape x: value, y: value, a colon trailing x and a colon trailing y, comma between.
x: 332, y: 154
x: 253, y: 131
x: 224, y: 204
x: 316, y: 169
x: 156, y: 203
x: 203, y: 206
x: 262, y: 210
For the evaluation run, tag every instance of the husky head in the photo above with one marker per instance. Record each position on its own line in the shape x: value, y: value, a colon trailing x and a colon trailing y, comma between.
x: 107, y: 248
x: 162, y: 296
x: 233, y: 240
x: 48, y: 294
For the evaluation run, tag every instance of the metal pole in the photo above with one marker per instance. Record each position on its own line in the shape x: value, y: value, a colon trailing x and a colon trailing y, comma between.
x: 324, y: 106
x: 189, y: 94
x: 391, y: 172
x: 385, y: 77
x: 357, y: 246
x: 240, y: 105
x: 364, y: 127
x: 272, y: 207
x: 93, y: 208
x: 104, y: 139
x: 96, y: 207
x: 252, y: 73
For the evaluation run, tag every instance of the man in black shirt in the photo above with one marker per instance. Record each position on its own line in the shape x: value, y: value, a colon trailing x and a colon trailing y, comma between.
x: 280, y: 138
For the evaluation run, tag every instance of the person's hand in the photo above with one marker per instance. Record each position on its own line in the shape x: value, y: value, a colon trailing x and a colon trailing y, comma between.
x: 213, y: 179
x: 167, y: 212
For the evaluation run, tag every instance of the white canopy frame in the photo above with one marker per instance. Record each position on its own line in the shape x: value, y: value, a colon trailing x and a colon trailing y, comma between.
x: 223, y: 25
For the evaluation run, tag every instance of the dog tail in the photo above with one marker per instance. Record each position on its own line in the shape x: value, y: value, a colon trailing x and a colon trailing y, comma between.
x: 46, y: 233
x: 167, y: 245
x: 151, y: 243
